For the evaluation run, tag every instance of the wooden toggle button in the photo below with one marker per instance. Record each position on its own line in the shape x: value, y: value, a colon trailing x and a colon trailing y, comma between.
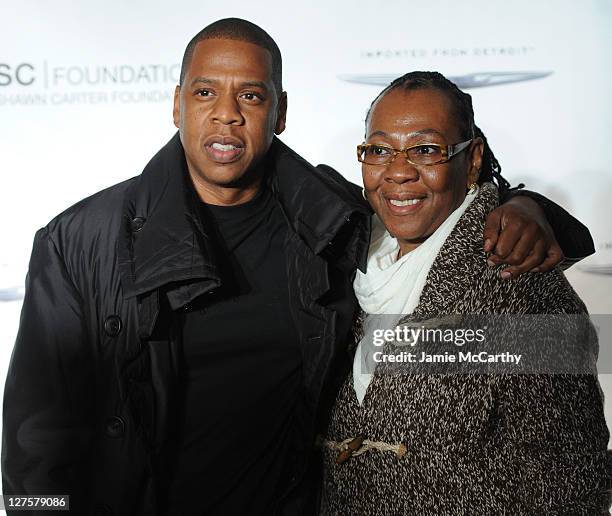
x: 351, y: 447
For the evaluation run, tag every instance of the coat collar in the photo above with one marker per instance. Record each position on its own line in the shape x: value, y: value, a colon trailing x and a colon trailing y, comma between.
x: 325, y: 210
x: 162, y: 242
x: 461, y: 259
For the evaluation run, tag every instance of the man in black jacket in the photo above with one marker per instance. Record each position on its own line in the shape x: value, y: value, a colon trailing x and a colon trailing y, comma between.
x: 183, y: 332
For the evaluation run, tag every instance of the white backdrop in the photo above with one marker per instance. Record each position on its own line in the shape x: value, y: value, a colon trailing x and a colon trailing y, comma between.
x: 86, y: 88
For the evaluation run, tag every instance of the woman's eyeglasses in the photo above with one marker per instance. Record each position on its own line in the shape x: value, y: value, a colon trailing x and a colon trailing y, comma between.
x: 422, y: 154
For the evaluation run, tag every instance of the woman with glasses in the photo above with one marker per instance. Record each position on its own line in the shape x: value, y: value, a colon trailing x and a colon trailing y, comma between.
x: 407, y: 438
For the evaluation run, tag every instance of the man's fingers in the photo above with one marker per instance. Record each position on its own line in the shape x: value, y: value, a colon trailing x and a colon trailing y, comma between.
x: 554, y: 257
x: 534, y: 259
x: 508, y: 238
x: 491, y: 230
x: 526, y: 245
x: 520, y: 238
x: 537, y: 261
x: 494, y: 260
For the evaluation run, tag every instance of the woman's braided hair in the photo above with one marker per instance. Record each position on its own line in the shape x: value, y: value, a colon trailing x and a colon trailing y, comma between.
x: 490, y: 168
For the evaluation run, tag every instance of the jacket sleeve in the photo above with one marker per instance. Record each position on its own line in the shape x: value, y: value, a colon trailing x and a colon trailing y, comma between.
x: 47, y: 400
x: 554, y: 451
x: 573, y: 236
x: 544, y: 448
x: 550, y: 454
x: 551, y: 431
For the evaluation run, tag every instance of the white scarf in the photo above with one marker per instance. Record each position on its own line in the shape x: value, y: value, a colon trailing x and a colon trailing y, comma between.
x: 393, y: 287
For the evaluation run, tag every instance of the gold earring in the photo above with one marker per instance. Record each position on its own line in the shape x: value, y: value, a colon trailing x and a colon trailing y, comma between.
x: 472, y: 188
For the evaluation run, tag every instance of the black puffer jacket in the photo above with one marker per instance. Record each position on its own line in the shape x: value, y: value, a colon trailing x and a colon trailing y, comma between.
x: 89, y: 395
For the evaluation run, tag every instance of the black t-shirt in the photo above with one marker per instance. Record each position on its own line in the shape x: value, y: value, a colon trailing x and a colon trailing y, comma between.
x: 242, y: 371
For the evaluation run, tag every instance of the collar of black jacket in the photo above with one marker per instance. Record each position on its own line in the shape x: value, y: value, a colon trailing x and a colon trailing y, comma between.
x: 162, y: 242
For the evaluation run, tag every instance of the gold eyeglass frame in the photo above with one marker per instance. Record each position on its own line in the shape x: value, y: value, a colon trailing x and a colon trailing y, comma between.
x: 447, y: 151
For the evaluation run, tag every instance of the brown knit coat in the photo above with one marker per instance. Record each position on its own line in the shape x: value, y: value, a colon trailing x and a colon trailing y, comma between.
x: 476, y: 444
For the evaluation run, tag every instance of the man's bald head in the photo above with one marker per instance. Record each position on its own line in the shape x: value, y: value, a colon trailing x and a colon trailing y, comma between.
x: 241, y: 30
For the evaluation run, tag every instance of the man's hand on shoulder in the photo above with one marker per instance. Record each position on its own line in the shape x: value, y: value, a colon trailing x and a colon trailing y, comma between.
x: 518, y: 234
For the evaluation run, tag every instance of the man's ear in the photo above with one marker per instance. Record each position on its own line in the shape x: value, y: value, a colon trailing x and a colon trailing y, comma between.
x: 176, y: 110
x: 281, y: 117
x: 475, y: 164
